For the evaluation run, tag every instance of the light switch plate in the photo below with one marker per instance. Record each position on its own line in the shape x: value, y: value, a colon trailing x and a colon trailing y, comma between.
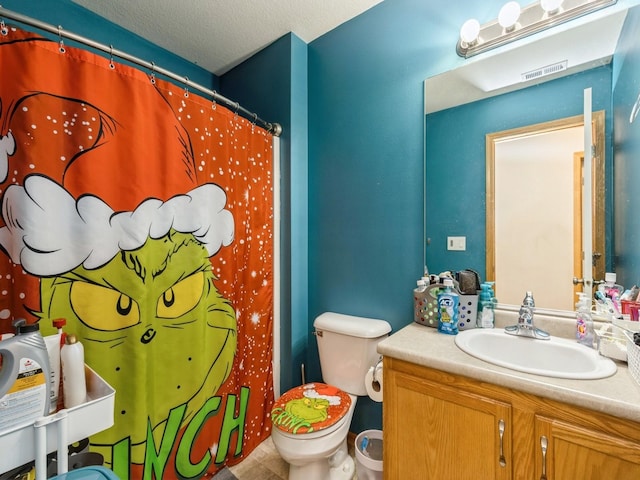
x: 457, y: 243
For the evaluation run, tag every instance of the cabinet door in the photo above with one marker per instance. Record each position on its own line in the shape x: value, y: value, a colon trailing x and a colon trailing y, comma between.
x: 436, y: 431
x: 575, y: 452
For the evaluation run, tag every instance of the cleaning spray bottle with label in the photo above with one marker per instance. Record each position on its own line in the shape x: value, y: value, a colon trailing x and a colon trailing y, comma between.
x: 584, y: 323
x: 24, y: 377
x: 448, y: 301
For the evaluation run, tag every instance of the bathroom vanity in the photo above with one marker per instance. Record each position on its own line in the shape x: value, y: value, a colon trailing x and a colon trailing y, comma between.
x: 449, y: 416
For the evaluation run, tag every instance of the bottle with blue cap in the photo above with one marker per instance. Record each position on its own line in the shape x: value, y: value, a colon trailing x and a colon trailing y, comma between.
x: 448, y: 302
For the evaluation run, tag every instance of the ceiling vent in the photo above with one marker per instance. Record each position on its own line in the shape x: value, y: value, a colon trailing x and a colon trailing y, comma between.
x: 544, y: 71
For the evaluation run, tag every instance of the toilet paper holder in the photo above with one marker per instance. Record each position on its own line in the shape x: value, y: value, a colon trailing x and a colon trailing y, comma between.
x: 376, y: 382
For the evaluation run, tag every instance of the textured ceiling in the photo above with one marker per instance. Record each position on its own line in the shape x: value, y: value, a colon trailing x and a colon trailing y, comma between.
x: 220, y: 34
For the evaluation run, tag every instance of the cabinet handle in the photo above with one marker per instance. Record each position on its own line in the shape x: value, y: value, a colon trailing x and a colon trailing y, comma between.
x: 503, y: 461
x: 543, y: 445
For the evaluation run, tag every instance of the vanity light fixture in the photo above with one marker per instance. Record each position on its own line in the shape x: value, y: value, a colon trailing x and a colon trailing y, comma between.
x: 551, y: 7
x: 514, y: 22
x: 508, y: 16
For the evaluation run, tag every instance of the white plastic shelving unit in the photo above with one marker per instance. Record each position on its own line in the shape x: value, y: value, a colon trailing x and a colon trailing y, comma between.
x: 34, y: 442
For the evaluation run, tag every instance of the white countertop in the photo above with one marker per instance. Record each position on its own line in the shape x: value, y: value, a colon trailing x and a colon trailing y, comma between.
x: 618, y: 395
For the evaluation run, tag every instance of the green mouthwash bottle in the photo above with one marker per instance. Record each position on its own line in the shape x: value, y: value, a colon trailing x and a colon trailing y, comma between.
x: 486, y: 315
x: 448, y: 301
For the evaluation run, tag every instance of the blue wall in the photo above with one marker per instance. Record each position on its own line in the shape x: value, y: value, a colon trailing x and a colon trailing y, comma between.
x: 366, y: 151
x: 366, y: 172
x: 627, y: 155
x: 455, y: 187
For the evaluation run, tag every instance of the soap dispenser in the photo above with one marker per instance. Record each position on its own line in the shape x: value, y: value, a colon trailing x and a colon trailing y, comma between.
x: 584, y: 323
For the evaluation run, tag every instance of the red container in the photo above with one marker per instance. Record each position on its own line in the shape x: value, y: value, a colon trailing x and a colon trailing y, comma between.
x: 632, y: 309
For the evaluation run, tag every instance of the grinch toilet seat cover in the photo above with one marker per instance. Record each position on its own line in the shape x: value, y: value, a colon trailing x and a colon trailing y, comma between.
x: 310, y: 408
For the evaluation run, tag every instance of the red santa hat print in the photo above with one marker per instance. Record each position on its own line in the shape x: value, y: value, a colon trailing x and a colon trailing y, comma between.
x: 85, y: 176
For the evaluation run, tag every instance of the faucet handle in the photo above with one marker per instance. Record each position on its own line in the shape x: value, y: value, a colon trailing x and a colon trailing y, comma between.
x: 528, y: 300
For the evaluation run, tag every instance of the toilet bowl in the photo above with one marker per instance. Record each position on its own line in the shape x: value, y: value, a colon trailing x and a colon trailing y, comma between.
x: 311, y: 422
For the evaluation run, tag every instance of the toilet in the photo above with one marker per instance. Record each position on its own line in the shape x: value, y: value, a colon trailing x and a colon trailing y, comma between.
x: 311, y: 422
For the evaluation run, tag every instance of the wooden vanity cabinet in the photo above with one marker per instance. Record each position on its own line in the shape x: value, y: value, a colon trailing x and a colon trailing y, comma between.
x: 575, y: 452
x: 438, y: 425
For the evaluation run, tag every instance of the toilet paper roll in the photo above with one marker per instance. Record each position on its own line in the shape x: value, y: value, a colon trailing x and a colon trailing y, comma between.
x: 373, y: 383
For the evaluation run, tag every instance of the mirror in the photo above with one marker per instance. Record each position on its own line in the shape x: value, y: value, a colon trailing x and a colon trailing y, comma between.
x: 534, y: 178
x: 466, y: 104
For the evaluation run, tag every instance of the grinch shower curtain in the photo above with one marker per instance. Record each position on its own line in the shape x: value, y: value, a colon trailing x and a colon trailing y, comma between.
x: 143, y: 215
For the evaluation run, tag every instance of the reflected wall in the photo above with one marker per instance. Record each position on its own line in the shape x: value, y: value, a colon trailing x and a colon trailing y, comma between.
x: 455, y: 159
x: 626, y: 180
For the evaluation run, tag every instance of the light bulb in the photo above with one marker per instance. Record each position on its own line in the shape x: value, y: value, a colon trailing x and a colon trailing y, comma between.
x: 551, y: 6
x: 470, y: 31
x: 509, y: 15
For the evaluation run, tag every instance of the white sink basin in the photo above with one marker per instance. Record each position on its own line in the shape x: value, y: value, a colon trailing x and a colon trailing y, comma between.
x: 556, y: 357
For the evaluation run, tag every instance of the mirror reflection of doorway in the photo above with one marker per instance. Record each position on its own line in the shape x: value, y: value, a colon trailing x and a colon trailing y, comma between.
x: 534, y: 214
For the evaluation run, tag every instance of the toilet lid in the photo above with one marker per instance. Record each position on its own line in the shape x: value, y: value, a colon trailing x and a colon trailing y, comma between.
x: 310, y: 408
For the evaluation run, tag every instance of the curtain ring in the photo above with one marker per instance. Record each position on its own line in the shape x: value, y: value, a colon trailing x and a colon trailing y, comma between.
x: 111, y: 65
x: 186, y: 88
x: 152, y: 75
x: 235, y: 117
x: 61, y: 48
x: 3, y: 28
x: 214, y: 104
x: 253, y: 124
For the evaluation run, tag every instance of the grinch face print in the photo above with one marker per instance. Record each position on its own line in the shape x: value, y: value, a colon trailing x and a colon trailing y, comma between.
x: 309, y: 407
x: 158, y: 302
x: 151, y: 313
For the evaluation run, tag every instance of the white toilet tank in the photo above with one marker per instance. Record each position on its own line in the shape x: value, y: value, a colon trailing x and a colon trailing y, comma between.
x: 347, y: 348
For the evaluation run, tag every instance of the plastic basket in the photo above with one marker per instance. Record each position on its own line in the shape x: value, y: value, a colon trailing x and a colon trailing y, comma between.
x: 93, y: 416
x: 425, y: 308
x: 628, y: 325
x: 612, y: 342
x: 633, y: 357
x: 467, y: 312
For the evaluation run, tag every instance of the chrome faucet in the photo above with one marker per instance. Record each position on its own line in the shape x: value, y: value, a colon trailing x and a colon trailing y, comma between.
x: 525, y: 326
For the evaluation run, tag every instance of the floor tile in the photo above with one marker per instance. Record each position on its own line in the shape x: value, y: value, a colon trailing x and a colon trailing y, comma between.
x: 264, y: 463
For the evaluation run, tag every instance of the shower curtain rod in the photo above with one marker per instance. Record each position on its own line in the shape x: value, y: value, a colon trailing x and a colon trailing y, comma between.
x: 274, y: 128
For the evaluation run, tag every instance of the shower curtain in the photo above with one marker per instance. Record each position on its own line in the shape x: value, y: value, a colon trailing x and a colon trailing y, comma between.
x: 142, y: 214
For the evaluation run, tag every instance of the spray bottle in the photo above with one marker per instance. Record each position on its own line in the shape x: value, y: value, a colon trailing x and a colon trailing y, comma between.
x: 54, y: 344
x: 74, y: 384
